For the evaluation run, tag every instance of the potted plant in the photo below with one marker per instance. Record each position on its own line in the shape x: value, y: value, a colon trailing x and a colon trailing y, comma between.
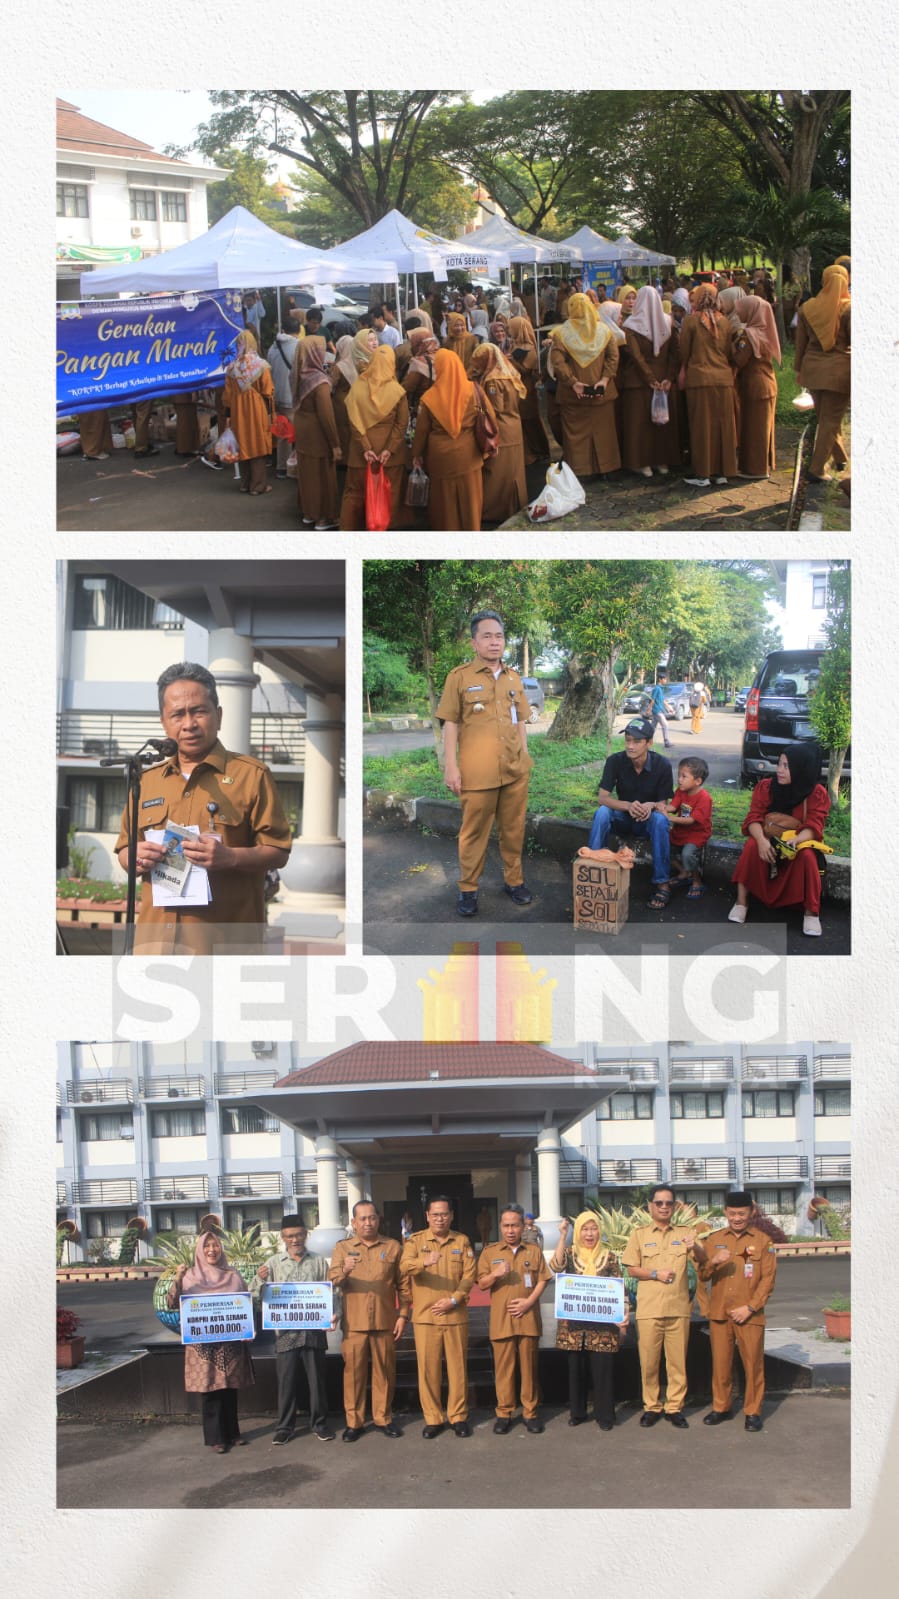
x: 838, y: 1317
x: 244, y: 1250
x: 69, y: 1343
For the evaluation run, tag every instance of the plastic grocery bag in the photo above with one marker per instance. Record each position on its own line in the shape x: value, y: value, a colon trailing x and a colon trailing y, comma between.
x: 227, y: 447
x: 561, y: 494
x: 659, y: 409
x: 377, y: 499
x: 418, y: 488
x: 291, y: 467
x: 68, y: 443
x: 804, y: 401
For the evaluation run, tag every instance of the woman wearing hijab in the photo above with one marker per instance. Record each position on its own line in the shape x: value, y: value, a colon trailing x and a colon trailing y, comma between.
x: 249, y: 405
x: 343, y: 375
x: 756, y: 348
x: 505, y: 489
x: 378, y: 411
x: 446, y: 446
x: 706, y: 353
x: 626, y: 297
x: 458, y: 339
x: 317, y: 438
x: 794, y: 798
x: 651, y: 368
x: 499, y: 332
x: 216, y: 1371
x: 420, y: 371
x: 584, y: 360
x: 480, y: 325
x: 592, y: 1346
x: 823, y: 356
x: 521, y: 354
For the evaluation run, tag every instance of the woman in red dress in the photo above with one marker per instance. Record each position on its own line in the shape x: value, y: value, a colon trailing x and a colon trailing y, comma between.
x: 797, y: 793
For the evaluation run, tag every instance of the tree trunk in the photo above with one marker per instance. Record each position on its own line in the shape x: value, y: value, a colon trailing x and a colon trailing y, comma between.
x: 835, y: 762
x: 525, y: 656
x: 581, y: 707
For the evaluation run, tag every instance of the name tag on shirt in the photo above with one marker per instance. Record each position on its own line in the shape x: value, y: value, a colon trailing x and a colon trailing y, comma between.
x: 747, y: 1269
x: 528, y: 1280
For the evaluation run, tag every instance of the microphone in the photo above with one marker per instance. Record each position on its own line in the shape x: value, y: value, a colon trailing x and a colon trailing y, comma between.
x: 166, y: 747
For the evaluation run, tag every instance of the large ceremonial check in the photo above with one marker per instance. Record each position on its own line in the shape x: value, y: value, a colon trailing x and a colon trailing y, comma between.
x: 216, y: 1318
x: 589, y: 1298
x: 297, y: 1307
x: 110, y: 351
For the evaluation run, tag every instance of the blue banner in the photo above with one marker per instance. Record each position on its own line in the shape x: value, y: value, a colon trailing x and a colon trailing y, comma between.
x: 114, y: 351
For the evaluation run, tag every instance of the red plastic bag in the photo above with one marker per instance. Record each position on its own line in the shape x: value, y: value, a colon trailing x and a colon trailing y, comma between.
x: 282, y: 428
x: 377, y: 499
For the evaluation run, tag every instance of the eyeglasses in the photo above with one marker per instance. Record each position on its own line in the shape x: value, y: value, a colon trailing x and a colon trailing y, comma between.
x: 663, y: 1204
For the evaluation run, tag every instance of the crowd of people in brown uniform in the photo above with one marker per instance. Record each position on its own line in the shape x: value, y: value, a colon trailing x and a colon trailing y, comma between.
x: 649, y: 380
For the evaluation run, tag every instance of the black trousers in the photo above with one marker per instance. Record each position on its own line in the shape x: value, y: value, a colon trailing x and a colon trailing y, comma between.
x: 288, y: 1364
x: 601, y: 1366
x: 220, y: 1425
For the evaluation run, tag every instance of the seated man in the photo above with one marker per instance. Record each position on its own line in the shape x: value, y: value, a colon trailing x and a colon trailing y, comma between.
x: 634, y: 789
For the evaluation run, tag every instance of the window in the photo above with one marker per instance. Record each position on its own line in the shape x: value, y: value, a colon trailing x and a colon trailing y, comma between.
x: 105, y: 1223
x: 839, y: 1196
x: 819, y: 591
x: 102, y: 1126
x: 775, y: 1199
x: 626, y: 1108
x: 59, y: 1127
x: 709, y: 1199
x: 143, y: 205
x: 71, y: 200
x: 107, y: 602
x: 833, y: 1101
x: 763, y: 1102
x: 179, y: 1220
x: 186, y: 1122
x: 248, y: 1119
x: 268, y: 1217
x: 95, y: 803
x: 291, y: 797
x: 697, y: 1107
x: 174, y: 207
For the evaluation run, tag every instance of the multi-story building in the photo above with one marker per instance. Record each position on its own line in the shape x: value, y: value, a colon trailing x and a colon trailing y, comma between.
x: 119, y: 199
x: 173, y: 1132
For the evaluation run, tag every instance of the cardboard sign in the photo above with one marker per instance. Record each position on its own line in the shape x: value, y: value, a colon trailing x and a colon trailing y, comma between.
x: 589, y: 1298
x: 217, y: 1318
x: 600, y: 892
x: 297, y: 1307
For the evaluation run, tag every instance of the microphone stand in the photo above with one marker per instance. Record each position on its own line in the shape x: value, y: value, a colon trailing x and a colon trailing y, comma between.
x: 149, y: 754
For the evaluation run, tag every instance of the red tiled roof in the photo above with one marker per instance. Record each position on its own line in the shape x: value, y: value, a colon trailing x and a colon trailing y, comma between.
x: 409, y: 1062
x: 76, y: 132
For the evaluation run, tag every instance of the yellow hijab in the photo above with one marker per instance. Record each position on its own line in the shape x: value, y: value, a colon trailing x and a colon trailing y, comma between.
x: 450, y: 392
x: 824, y: 311
x: 585, y: 334
x: 489, y: 362
x: 376, y: 392
x: 591, y: 1262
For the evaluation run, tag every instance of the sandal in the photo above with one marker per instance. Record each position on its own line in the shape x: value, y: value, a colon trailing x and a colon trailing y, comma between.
x: 660, y: 898
x: 696, y: 891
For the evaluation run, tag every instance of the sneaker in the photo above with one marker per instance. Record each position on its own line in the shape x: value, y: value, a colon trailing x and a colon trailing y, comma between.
x: 280, y: 474
x: 281, y: 1438
x: 737, y: 913
x: 664, y: 470
x: 152, y: 449
x: 306, y: 521
x: 467, y: 904
x: 520, y: 894
x: 323, y: 1433
x: 643, y: 471
x: 811, y: 926
x: 324, y: 527
x: 720, y: 479
x: 103, y: 456
x: 697, y: 482
x: 213, y: 465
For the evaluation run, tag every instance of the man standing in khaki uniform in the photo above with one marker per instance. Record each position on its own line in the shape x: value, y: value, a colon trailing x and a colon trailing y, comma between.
x: 485, y: 712
x: 516, y: 1275
x: 438, y: 1270
x: 367, y: 1269
x: 657, y: 1257
x: 740, y: 1266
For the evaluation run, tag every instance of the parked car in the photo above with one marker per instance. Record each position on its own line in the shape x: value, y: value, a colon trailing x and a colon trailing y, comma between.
x: 741, y: 697
x: 535, y: 696
x: 677, y: 699
x: 343, y: 310
x: 777, y: 712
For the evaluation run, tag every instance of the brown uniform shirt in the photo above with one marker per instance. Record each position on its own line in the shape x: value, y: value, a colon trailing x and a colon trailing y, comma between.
x: 454, y: 1274
x: 707, y: 360
x: 661, y: 1249
x: 370, y: 1292
x: 249, y: 812
x: 747, y: 1278
x: 490, y: 751
x: 527, y: 1267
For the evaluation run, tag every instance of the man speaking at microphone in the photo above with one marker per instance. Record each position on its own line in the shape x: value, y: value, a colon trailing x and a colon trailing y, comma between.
x: 232, y: 800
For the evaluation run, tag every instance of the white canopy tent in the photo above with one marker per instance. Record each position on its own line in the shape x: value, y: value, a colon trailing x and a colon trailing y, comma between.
x: 642, y: 256
x: 412, y: 249
x: 238, y: 252
x: 522, y: 248
x: 593, y: 246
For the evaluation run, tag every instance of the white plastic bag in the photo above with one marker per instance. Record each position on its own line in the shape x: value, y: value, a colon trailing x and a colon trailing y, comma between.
x: 291, y: 467
x: 68, y: 443
x: 804, y: 401
x: 227, y: 447
x: 562, y: 493
x: 659, y: 408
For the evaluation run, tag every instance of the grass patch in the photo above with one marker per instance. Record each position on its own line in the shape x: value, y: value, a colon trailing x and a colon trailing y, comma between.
x: 561, y: 787
x: 787, y: 389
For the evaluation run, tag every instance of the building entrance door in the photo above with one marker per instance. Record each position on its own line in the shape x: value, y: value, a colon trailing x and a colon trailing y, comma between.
x: 421, y: 1188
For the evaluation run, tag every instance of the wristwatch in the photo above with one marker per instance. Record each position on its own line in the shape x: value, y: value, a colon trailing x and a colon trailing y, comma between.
x: 654, y: 1276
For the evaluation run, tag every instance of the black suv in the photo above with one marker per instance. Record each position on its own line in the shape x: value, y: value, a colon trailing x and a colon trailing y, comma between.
x: 777, y: 711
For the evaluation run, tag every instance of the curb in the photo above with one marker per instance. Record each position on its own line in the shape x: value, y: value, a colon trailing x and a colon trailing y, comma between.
x: 563, y: 839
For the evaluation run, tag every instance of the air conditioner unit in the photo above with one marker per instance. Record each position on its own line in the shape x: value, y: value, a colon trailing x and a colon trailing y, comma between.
x: 136, y: 233
x: 86, y: 1097
x: 174, y: 1093
x: 261, y: 1047
x: 622, y: 1168
x: 127, y: 1132
x: 691, y: 1166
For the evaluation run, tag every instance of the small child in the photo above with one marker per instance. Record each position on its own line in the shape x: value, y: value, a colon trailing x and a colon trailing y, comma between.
x: 690, y: 816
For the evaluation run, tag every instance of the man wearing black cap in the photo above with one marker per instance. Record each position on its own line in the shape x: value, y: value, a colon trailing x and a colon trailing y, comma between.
x: 740, y: 1267
x: 635, y: 786
x: 295, y: 1349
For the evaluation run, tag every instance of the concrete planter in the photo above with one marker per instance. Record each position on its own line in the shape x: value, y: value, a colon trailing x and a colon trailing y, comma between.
x: 838, y: 1324
x: 70, y: 1353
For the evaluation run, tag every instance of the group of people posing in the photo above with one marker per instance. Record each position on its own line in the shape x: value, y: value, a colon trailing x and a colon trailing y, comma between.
x: 380, y: 1286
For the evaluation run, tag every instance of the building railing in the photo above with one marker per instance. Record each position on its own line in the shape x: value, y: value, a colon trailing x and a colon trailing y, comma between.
x: 830, y: 1167
x: 227, y: 1083
x: 833, y: 1068
x: 719, y: 1070
x: 251, y: 1185
x: 113, y: 1091
x: 636, y: 1071
x: 644, y: 1170
x: 704, y: 1168
x: 774, y: 1168
x: 277, y: 740
x: 172, y: 1088
x: 61, y: 1199
x: 304, y: 1184
x: 573, y: 1173
x: 167, y: 1190
x: 775, y: 1068
x: 106, y: 1191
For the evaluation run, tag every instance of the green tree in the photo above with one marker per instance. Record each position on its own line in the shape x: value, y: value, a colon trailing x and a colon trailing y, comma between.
x: 670, y: 187
x: 246, y: 185
x: 385, y: 672
x: 437, y: 197
x: 830, y: 707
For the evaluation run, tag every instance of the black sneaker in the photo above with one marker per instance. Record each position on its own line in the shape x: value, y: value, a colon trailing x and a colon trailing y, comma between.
x: 519, y: 895
x: 152, y: 449
x: 281, y: 1438
x: 467, y: 904
x: 323, y: 1433
x: 213, y: 465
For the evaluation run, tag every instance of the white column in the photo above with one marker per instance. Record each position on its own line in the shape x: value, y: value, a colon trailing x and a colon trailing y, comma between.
x: 523, y: 1186
x: 231, y: 664
x: 325, y: 1235
x: 321, y: 778
x: 549, y: 1149
x: 355, y: 1184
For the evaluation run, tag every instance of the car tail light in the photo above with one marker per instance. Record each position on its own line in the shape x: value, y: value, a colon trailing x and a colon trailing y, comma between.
x: 752, y: 711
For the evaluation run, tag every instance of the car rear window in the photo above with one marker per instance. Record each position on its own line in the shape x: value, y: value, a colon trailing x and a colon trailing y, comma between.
x: 790, y: 677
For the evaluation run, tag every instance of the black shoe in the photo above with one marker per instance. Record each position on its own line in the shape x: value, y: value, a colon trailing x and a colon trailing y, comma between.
x: 714, y: 1417
x: 534, y: 1424
x: 650, y: 1417
x: 467, y: 904
x: 605, y: 1426
x: 390, y: 1431
x: 352, y: 1434
x: 152, y: 449
x: 214, y: 466
x: 432, y: 1432
x: 323, y: 1433
x: 280, y: 474
x: 282, y: 1437
x: 519, y: 895
x: 678, y: 1419
x: 753, y: 1424
x: 503, y: 1424
x: 576, y: 1421
x: 462, y: 1429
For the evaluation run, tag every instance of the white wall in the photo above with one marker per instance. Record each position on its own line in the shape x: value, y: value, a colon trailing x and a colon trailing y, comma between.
x: 833, y: 1129
x: 108, y: 1152
x: 612, y: 1135
x: 251, y: 1146
x: 702, y: 1131
x: 177, y: 1151
x: 114, y: 656
x: 769, y: 1129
